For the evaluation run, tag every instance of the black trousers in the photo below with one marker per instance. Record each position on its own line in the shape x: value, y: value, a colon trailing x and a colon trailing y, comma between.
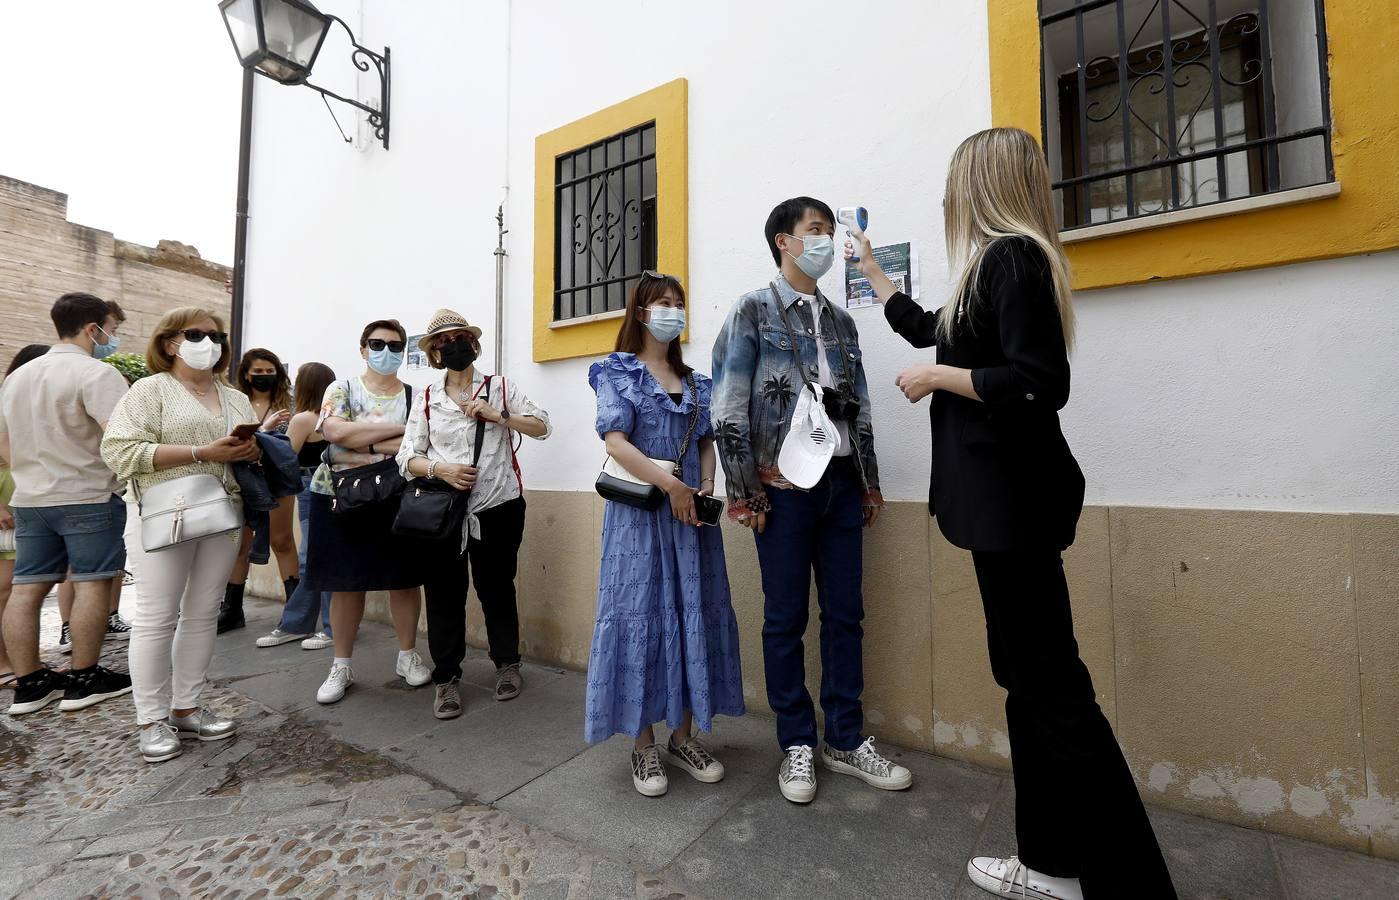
x: 493, y: 559
x: 1077, y: 810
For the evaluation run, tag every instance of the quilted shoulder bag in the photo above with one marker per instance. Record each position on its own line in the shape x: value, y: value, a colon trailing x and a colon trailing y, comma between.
x: 615, y: 483
x: 371, y: 485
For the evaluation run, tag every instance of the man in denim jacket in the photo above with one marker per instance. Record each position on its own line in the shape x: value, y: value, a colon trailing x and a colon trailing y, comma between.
x: 757, y: 380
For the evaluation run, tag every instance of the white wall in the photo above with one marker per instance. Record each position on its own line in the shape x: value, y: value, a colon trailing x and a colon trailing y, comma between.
x: 1266, y: 389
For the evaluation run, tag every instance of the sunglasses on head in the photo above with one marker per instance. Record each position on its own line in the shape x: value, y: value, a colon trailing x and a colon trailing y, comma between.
x: 195, y: 335
x: 380, y: 344
x: 658, y: 276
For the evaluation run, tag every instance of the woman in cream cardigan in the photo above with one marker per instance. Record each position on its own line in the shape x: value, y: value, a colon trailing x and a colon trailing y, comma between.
x: 172, y: 424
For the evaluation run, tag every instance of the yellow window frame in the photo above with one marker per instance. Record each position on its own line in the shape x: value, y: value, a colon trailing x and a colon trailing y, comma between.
x: 667, y: 106
x: 1362, y: 218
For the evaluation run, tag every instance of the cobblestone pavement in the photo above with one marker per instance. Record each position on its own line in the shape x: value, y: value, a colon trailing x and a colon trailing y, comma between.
x: 283, y: 810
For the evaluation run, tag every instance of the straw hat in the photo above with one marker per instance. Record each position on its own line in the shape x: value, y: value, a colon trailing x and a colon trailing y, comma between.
x: 443, y: 321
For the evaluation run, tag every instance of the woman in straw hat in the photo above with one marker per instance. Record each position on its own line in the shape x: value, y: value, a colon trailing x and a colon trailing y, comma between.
x: 462, y: 432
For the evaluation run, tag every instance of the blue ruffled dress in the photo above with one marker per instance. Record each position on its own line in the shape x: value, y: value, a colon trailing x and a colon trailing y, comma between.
x: 666, y: 640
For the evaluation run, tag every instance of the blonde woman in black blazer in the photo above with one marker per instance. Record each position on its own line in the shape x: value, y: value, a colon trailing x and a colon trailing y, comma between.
x: 1006, y: 487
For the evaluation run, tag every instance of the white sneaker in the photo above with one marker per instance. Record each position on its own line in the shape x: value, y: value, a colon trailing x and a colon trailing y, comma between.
x: 865, y: 763
x: 277, y: 637
x: 1009, y: 878
x: 412, y: 669
x: 318, y: 641
x: 336, y: 683
x: 797, y: 776
x: 647, y: 774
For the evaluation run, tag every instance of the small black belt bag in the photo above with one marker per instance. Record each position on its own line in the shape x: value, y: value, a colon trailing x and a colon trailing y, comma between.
x: 431, y: 509
x: 615, y: 483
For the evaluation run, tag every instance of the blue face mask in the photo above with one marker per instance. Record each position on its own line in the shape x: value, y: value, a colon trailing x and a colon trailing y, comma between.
x: 102, y: 351
x: 818, y: 253
x: 666, y: 323
x: 385, y: 362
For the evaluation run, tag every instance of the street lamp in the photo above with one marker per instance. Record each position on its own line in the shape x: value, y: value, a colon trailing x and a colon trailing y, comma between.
x: 281, y: 39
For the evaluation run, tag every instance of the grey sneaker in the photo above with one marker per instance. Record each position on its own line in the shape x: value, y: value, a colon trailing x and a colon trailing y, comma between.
x: 277, y: 637
x: 695, y: 758
x: 508, y: 682
x: 865, y: 763
x: 447, y: 703
x: 647, y: 774
x: 205, y: 725
x: 159, y: 742
x: 318, y: 641
x: 797, y: 776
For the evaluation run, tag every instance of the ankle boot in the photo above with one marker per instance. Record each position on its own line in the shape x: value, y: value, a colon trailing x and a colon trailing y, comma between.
x: 289, y: 585
x: 231, y: 610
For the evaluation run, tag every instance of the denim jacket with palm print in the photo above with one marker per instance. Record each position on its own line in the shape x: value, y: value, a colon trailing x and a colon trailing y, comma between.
x: 756, y: 383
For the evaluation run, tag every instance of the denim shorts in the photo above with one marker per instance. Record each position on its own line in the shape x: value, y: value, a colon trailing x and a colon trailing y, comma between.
x: 85, y: 538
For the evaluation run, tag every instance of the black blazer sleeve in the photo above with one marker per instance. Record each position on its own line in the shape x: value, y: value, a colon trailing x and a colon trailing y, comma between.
x: 1019, y: 289
x: 916, y: 325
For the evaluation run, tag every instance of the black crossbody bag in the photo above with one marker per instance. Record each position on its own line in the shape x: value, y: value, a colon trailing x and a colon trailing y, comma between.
x: 371, y: 485
x: 431, y: 509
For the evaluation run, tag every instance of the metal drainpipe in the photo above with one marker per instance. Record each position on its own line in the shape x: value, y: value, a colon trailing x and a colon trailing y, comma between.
x: 500, y: 255
x: 240, y: 226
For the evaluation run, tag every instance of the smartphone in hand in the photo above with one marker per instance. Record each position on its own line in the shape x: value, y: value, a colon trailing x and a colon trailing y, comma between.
x: 709, y: 509
x: 245, y: 431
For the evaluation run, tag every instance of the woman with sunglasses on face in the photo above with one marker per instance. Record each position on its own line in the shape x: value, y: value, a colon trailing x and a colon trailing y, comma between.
x: 665, y: 645
x: 263, y: 378
x: 440, y: 442
x: 173, y: 424
x: 353, y: 552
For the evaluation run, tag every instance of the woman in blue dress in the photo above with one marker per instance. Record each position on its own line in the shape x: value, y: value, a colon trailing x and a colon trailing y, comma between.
x: 665, y: 646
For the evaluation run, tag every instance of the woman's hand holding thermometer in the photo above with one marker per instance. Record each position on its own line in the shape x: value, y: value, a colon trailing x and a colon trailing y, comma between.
x: 860, y: 254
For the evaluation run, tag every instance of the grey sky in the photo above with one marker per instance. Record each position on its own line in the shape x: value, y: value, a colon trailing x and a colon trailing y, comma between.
x: 130, y: 108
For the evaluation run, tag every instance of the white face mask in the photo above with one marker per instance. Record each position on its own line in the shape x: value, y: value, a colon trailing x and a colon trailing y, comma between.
x: 201, y: 356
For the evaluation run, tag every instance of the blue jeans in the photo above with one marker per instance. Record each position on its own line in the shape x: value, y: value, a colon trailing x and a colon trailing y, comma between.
x: 299, y: 615
x: 820, y: 530
x: 85, y: 538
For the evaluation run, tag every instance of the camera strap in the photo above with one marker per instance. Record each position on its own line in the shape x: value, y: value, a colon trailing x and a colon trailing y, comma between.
x: 821, y: 302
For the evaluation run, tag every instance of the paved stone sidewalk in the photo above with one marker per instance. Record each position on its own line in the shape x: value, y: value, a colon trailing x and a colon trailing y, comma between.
x: 372, y: 797
x: 283, y: 810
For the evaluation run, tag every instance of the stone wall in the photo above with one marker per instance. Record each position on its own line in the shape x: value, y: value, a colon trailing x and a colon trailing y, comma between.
x: 43, y: 256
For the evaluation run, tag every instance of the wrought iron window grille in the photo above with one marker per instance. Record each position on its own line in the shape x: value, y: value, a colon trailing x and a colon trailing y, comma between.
x: 605, y: 209
x: 1175, y: 67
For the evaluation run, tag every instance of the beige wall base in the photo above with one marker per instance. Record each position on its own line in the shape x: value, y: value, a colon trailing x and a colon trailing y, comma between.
x: 1248, y: 660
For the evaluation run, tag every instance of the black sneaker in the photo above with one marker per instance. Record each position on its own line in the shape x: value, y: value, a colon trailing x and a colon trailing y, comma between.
x: 65, y: 640
x: 34, y: 693
x: 117, y: 630
x: 92, y: 686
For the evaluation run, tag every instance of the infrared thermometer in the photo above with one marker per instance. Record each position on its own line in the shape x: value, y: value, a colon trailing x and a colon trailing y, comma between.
x: 853, y: 217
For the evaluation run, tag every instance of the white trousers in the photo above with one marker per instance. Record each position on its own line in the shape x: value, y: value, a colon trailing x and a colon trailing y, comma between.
x: 175, y: 622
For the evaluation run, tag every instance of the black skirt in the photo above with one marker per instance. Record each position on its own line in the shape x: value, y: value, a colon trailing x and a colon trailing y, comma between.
x: 358, y: 551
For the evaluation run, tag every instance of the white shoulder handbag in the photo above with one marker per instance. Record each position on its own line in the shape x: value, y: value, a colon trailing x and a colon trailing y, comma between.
x: 187, y: 509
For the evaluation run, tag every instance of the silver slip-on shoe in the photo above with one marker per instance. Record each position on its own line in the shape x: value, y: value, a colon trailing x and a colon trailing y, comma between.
x: 159, y: 742
x: 205, y: 725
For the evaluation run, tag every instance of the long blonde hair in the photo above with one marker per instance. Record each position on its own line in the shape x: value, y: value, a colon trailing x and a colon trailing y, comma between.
x: 998, y: 186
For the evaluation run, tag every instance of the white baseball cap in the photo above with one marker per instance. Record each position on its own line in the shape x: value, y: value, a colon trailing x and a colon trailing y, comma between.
x: 811, y: 441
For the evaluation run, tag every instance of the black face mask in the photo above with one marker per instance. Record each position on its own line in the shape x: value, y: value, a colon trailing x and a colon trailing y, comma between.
x: 458, y: 356
x: 264, y: 383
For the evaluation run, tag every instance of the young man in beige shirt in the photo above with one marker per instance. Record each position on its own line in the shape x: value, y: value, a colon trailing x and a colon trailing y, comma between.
x: 68, y: 517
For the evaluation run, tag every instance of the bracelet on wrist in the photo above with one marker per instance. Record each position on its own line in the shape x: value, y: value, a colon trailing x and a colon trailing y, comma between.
x: 431, y: 467
x: 194, y: 453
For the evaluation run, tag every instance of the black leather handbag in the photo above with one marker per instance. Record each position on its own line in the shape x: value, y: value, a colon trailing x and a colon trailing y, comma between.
x: 431, y: 509
x: 371, y: 485
x: 615, y: 483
